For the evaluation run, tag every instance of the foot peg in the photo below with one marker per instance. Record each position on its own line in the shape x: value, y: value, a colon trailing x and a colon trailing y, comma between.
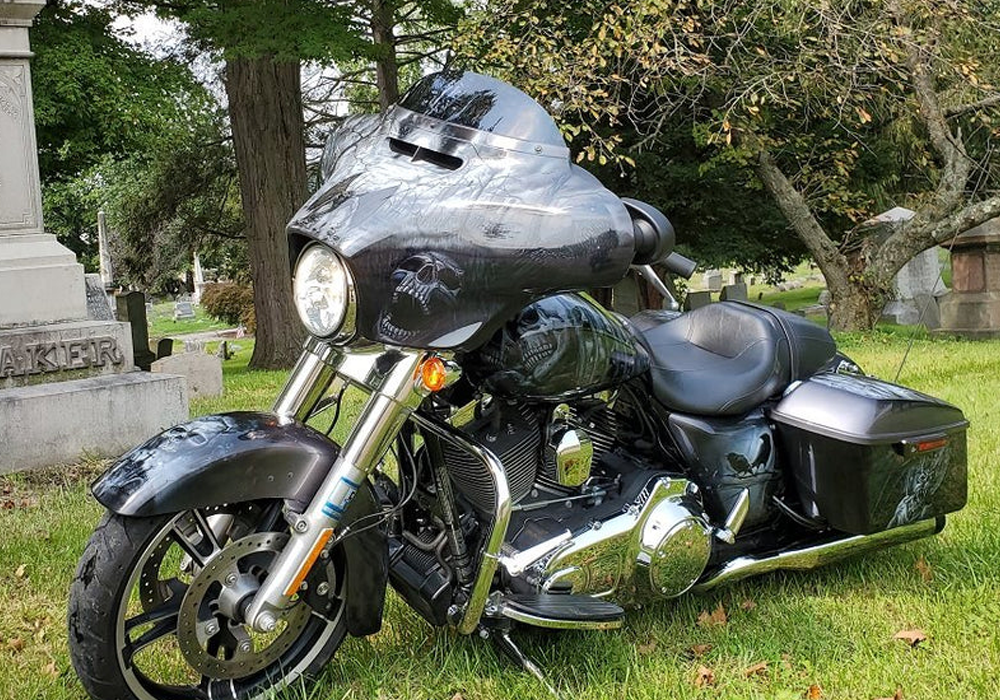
x: 559, y: 611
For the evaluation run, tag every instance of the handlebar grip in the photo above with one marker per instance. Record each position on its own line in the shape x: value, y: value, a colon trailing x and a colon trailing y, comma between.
x: 679, y: 265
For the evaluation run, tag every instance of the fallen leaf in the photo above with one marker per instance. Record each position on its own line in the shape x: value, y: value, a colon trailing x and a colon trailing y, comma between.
x: 457, y: 696
x: 786, y: 661
x: 863, y: 115
x: 17, y: 644
x: 898, y: 695
x: 19, y: 572
x: 756, y: 669
x: 704, y: 677
x: 926, y: 572
x: 699, y: 650
x: 911, y: 637
x: 814, y: 692
x: 716, y: 618
x: 748, y: 604
x: 646, y: 647
x: 50, y: 670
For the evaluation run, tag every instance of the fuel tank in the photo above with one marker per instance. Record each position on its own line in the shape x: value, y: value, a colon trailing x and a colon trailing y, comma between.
x: 558, y: 348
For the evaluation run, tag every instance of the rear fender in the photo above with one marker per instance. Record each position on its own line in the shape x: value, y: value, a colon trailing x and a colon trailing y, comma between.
x: 235, y: 457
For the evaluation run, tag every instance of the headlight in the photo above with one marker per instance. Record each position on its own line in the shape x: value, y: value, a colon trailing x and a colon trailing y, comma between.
x: 323, y: 291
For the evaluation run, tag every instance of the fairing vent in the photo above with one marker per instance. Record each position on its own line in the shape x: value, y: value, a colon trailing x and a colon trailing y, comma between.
x: 514, y: 435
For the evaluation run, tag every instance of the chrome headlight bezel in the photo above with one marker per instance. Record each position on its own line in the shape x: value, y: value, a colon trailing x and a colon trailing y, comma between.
x: 316, y: 256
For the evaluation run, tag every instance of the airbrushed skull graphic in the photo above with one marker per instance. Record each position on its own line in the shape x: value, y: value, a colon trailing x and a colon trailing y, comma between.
x: 425, y: 284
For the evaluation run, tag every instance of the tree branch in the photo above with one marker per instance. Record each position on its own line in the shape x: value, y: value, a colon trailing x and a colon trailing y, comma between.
x: 916, y: 236
x: 978, y: 106
x: 800, y: 217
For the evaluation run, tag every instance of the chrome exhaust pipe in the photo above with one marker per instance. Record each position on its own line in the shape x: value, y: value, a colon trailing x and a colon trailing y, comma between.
x: 817, y: 555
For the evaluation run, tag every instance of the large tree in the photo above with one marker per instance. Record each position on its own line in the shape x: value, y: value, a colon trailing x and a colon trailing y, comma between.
x: 838, y: 109
x: 262, y: 46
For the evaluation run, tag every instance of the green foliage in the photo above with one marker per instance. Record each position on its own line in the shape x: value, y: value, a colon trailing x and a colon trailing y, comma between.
x: 137, y: 136
x: 95, y: 95
x: 231, y: 303
x: 283, y: 29
x: 666, y: 85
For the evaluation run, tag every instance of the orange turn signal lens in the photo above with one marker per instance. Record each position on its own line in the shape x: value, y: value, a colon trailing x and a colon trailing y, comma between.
x: 433, y: 374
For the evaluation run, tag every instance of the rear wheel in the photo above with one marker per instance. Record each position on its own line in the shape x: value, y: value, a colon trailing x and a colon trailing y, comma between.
x: 156, y: 609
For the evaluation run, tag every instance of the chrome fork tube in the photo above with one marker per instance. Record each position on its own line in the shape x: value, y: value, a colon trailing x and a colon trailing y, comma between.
x: 391, y: 376
x: 308, y: 382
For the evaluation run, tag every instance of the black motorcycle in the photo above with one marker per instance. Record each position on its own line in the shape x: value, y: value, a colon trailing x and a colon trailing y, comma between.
x: 523, y: 456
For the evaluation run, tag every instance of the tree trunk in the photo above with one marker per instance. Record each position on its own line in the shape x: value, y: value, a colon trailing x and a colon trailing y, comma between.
x: 854, y: 307
x: 384, y: 39
x: 265, y: 110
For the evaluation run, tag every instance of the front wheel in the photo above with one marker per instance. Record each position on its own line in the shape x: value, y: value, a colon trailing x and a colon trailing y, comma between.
x: 155, y: 610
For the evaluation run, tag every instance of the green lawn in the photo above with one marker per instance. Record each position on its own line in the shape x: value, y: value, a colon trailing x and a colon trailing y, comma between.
x: 831, y: 628
x: 162, y: 324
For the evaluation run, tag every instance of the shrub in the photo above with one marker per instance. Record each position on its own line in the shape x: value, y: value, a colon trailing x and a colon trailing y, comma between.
x: 230, y: 303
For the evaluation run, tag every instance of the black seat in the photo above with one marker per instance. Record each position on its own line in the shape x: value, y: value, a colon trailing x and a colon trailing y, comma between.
x: 725, y: 359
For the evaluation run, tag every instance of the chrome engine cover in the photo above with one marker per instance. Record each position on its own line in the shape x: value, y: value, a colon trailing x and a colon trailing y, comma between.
x: 656, y: 547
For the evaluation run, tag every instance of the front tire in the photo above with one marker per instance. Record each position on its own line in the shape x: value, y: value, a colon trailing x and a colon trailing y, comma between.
x: 129, y: 600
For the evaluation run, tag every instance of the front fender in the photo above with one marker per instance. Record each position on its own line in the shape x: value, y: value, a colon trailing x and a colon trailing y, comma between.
x: 244, y: 456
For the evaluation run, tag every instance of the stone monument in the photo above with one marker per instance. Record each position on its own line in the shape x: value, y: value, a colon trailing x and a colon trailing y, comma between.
x: 917, y: 284
x: 67, y: 385
x: 973, y: 307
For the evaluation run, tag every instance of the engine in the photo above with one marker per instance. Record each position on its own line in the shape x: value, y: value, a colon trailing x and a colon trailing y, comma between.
x: 591, y: 515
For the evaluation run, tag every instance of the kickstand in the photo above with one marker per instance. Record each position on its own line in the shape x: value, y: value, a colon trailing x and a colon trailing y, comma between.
x: 501, y: 638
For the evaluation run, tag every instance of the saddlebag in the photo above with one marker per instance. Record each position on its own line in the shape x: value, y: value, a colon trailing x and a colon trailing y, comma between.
x: 866, y: 455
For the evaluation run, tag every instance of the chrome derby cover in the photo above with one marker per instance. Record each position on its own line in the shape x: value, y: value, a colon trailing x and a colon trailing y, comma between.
x: 457, y: 208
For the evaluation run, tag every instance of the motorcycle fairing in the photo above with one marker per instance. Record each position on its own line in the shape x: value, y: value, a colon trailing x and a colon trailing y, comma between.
x: 458, y: 208
x: 245, y: 456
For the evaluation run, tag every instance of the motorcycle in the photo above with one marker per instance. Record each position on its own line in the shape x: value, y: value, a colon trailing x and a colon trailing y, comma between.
x: 522, y: 457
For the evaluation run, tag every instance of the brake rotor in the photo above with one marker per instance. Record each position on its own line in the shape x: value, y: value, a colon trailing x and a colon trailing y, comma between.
x: 210, y: 633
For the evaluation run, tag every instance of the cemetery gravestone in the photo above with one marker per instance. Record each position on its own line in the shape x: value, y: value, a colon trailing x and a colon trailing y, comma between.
x: 183, y: 310
x: 67, y: 384
x: 696, y: 300
x: 973, y: 307
x: 734, y: 292
x: 203, y: 372
x: 713, y: 280
x: 131, y: 309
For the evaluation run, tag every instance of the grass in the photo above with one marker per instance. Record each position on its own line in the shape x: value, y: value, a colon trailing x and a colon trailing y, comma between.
x: 832, y: 628
x: 162, y: 324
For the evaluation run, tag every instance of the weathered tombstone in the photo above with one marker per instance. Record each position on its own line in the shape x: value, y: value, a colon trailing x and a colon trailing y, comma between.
x: 203, y: 372
x: 712, y: 280
x: 224, y: 353
x: 735, y: 277
x: 194, y: 346
x: 183, y: 310
x: 929, y: 311
x: 97, y: 299
x: 625, y: 297
x: 66, y: 381
x: 824, y: 298
x: 734, y: 292
x: 972, y: 309
x: 920, y: 276
x: 696, y: 300
x: 131, y: 309
x: 164, y: 348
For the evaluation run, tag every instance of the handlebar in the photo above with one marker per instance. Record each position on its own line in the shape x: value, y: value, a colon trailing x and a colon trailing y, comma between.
x: 680, y: 265
x: 654, y: 239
